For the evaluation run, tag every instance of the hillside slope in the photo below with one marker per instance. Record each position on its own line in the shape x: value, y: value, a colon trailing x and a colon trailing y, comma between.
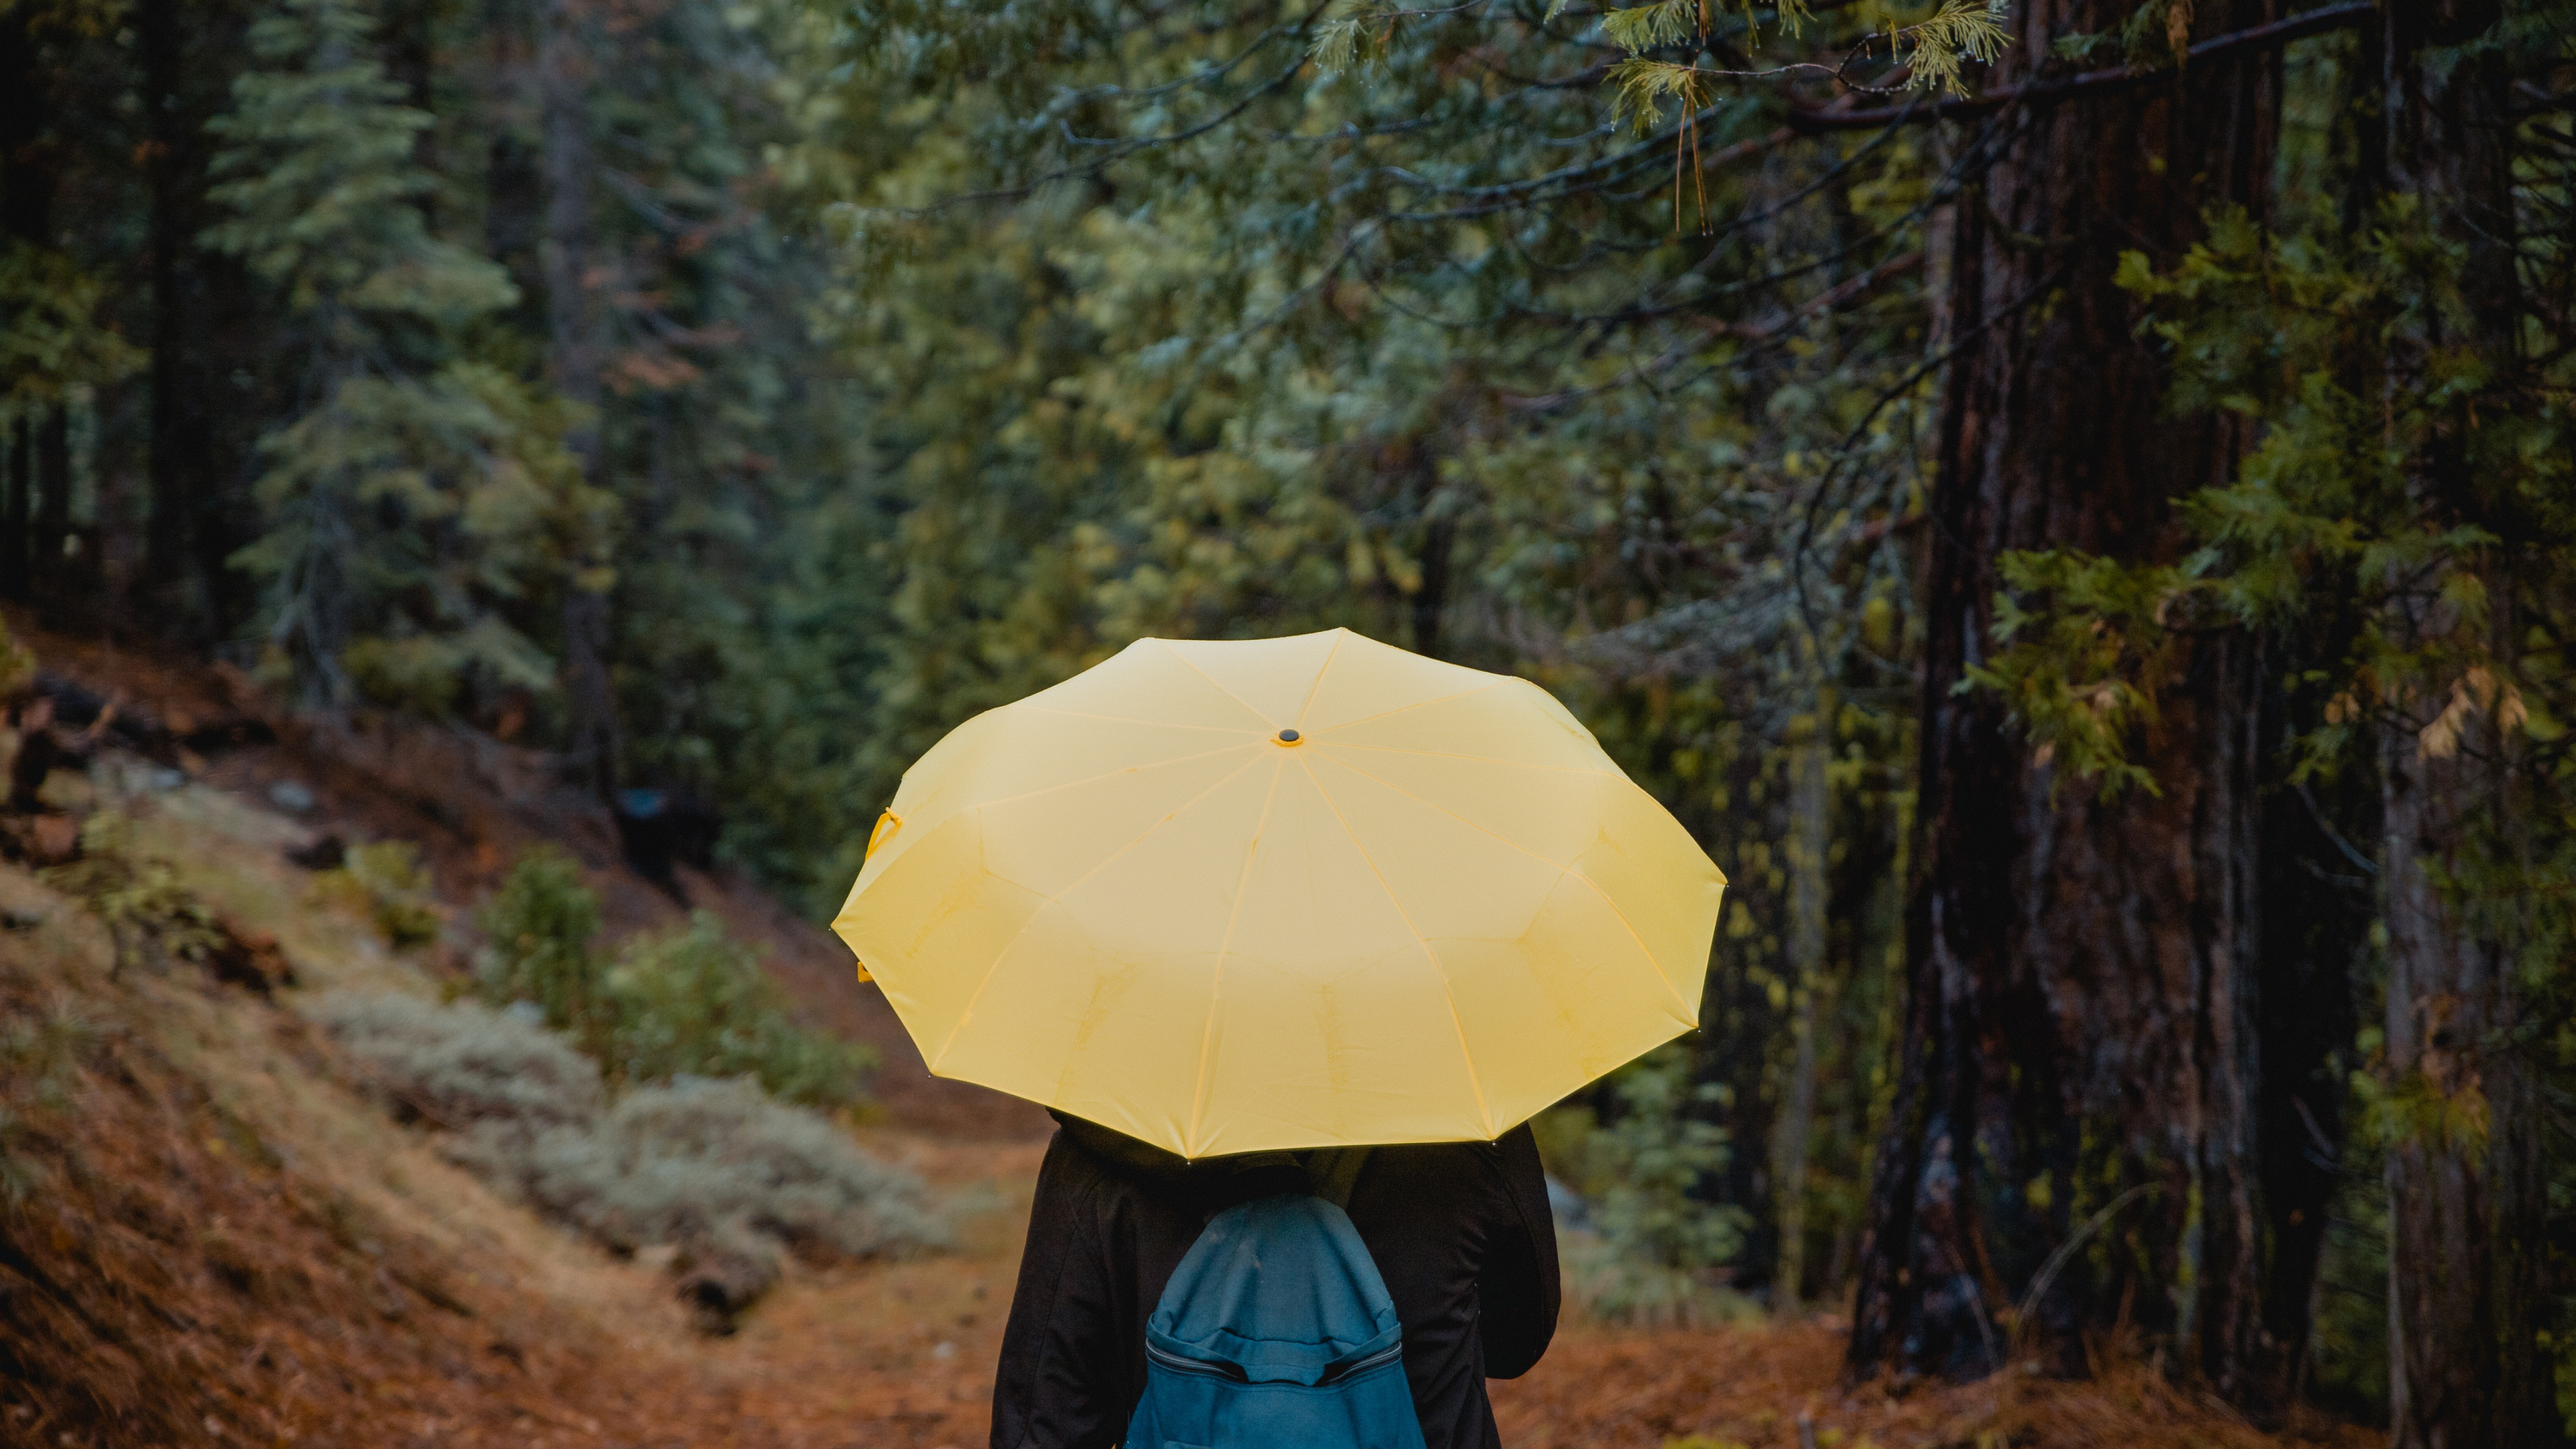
x: 472, y: 805
x: 217, y: 1234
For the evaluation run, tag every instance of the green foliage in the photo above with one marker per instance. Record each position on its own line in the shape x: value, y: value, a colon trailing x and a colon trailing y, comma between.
x: 2086, y: 643
x: 1646, y: 1165
x: 151, y: 915
x: 1648, y: 27
x: 1653, y: 1238
x: 53, y: 341
x: 39, y: 1054
x: 424, y: 494
x: 688, y: 1002
x: 2319, y: 515
x: 1958, y: 32
x: 2416, y: 1110
x: 17, y: 662
x: 540, y: 927
x: 2400, y: 532
x: 397, y: 890
x: 1935, y: 51
x: 692, y: 1002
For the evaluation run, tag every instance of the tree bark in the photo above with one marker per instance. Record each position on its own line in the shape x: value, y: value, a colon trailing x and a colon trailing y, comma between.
x: 47, y: 568
x: 175, y: 494
x: 20, y: 445
x: 1810, y: 841
x: 2082, y: 972
x: 2467, y: 1263
x: 563, y: 79
x: 2319, y: 892
x: 27, y: 185
x: 210, y: 331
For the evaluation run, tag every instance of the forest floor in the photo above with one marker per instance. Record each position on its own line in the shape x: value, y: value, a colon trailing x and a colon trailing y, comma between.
x: 229, y: 1242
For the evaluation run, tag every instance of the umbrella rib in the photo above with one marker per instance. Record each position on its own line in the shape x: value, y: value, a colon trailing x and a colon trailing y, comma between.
x: 1317, y: 687
x: 1159, y: 724
x: 1212, y: 684
x: 1472, y: 759
x: 1225, y: 947
x: 1417, y: 704
x: 968, y: 1013
x: 1624, y: 923
x: 1484, y: 1109
x: 1095, y: 779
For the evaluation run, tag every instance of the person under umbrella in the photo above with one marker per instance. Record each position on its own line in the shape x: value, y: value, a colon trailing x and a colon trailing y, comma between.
x: 1293, y: 936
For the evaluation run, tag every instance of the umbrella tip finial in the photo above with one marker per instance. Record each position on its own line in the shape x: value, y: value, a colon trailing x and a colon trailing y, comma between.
x: 1289, y: 737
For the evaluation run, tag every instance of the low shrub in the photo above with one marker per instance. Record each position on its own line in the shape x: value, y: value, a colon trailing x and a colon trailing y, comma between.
x: 462, y: 1065
x: 1652, y: 1246
x: 694, y: 1002
x: 540, y: 927
x: 150, y: 914
x: 401, y: 898
x: 690, y: 1001
x: 691, y: 1161
x: 730, y: 1177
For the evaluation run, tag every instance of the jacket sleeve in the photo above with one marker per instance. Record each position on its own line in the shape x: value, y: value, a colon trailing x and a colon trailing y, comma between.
x: 1062, y: 1382
x: 1518, y: 1290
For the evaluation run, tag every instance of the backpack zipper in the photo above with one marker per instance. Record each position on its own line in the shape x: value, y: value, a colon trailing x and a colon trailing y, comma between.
x: 1206, y: 1369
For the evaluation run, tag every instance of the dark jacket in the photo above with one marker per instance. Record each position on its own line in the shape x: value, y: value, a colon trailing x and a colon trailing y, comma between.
x: 1460, y: 1232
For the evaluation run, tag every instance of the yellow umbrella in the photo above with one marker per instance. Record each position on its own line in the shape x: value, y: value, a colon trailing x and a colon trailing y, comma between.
x: 1235, y: 896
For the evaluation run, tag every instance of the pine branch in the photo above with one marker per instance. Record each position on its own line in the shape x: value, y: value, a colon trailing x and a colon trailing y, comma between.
x: 2093, y: 82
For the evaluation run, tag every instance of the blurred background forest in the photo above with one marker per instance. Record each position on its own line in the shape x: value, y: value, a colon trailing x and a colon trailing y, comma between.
x: 2073, y: 502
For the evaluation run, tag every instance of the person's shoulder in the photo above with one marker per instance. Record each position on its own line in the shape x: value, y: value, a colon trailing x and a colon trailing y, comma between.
x: 1111, y: 1166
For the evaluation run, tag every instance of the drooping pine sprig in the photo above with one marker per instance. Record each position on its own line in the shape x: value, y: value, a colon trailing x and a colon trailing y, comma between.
x: 1935, y: 50
x: 1960, y: 31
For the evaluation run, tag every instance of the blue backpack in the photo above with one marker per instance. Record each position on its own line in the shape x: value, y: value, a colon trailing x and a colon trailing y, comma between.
x: 1276, y: 1331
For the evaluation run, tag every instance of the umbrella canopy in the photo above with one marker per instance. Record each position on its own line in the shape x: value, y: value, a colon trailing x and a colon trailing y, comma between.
x: 1235, y: 896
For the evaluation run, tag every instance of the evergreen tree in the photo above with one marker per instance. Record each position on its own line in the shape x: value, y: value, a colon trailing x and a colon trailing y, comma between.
x: 421, y: 496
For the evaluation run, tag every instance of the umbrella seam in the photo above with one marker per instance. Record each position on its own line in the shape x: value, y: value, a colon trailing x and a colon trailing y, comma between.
x: 1499, y: 681
x: 968, y: 1013
x: 1475, y: 759
x: 1466, y: 1053
x: 1212, y: 684
x: 1225, y: 946
x: 1159, y: 724
x: 1622, y: 916
x: 1075, y: 784
x: 1308, y: 703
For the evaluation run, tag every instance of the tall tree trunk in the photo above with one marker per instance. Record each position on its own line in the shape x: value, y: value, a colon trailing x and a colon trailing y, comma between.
x: 47, y: 567
x: 563, y: 79
x: 27, y: 184
x: 175, y: 492
x: 1810, y: 841
x: 2319, y: 902
x: 20, y: 445
x: 2467, y: 1264
x: 1431, y: 601
x: 2082, y: 972
x: 210, y: 331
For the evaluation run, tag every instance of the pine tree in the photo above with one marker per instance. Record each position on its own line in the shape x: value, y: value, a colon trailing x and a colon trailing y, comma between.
x: 421, y: 498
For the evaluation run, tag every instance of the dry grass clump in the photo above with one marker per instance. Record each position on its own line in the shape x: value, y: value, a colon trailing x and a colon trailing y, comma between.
x: 170, y: 1274
x: 699, y: 1160
x: 460, y: 1066
x: 729, y: 1178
